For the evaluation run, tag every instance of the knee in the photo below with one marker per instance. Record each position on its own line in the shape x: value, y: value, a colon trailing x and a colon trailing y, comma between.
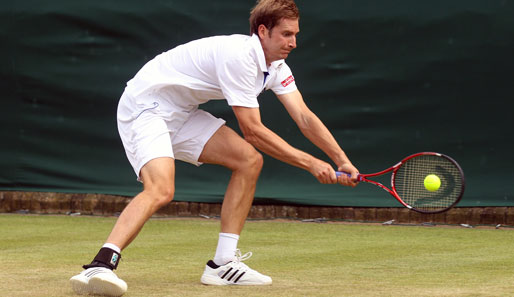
x: 161, y: 194
x: 253, y: 161
x: 258, y: 161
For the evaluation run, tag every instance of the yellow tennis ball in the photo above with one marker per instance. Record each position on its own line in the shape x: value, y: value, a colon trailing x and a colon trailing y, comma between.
x: 432, y: 182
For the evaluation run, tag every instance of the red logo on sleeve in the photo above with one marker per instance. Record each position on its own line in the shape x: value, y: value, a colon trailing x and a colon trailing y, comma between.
x: 287, y: 81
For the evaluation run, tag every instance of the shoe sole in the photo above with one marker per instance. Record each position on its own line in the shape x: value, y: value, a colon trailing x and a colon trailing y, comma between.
x: 216, y: 281
x: 79, y: 286
x: 212, y: 281
x: 103, y: 286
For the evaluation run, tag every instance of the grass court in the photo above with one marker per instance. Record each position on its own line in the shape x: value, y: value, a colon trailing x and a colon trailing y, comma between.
x: 39, y: 253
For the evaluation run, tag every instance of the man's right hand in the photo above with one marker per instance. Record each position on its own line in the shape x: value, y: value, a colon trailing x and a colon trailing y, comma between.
x: 323, y: 171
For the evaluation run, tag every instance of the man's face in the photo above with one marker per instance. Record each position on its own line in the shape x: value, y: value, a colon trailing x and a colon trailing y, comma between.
x: 280, y: 41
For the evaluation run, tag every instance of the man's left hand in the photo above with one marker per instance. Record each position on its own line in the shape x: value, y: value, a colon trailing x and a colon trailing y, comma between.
x: 346, y: 180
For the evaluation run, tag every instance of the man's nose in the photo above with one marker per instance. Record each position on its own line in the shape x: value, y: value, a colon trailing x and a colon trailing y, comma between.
x: 292, y: 42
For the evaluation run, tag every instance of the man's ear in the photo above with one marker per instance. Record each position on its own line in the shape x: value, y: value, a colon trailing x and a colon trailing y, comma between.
x: 262, y: 30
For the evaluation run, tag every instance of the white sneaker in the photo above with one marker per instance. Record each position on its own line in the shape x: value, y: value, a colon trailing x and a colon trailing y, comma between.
x: 98, y: 281
x: 233, y: 273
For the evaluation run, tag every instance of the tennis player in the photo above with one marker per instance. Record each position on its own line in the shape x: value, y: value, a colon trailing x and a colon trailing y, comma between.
x: 159, y: 121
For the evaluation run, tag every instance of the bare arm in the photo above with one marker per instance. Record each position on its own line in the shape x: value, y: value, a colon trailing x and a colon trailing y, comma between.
x: 312, y: 127
x: 271, y: 144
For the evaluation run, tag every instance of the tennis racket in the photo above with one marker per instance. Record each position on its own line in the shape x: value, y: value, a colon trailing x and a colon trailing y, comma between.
x: 408, y: 184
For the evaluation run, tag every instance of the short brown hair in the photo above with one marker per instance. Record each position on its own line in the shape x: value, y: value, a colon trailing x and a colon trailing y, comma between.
x: 270, y: 12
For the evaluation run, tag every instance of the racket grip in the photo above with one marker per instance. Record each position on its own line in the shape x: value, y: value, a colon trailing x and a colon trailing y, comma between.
x: 339, y: 173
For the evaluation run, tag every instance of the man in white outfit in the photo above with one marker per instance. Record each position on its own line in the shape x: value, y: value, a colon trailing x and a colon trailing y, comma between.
x: 159, y: 121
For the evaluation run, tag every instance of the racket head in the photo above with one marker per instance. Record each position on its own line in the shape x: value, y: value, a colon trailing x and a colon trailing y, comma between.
x: 408, y: 178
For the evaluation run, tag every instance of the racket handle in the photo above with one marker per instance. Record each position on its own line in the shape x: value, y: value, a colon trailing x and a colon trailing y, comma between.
x: 339, y: 173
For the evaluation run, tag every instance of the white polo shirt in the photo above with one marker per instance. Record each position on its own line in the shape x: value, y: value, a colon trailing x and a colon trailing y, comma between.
x: 220, y: 67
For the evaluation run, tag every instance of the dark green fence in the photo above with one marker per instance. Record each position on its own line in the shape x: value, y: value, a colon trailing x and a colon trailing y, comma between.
x: 389, y: 78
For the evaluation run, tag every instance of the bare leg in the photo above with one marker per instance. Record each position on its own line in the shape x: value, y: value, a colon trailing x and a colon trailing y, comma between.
x: 158, y: 177
x: 228, y: 149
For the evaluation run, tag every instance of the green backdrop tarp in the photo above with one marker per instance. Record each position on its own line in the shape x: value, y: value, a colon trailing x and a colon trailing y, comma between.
x: 389, y: 78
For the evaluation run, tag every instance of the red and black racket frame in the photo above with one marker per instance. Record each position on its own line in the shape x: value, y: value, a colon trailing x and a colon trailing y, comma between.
x: 395, y: 168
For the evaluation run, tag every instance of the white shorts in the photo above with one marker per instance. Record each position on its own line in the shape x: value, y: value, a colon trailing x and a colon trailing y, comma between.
x: 158, y: 129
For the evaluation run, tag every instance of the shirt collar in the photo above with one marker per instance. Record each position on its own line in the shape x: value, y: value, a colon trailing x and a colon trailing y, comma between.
x: 261, y: 59
x: 276, y: 65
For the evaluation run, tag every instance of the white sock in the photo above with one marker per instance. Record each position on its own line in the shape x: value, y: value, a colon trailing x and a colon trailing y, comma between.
x: 226, y: 250
x: 112, y: 247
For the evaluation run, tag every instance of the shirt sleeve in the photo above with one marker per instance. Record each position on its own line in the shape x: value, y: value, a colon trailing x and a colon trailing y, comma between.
x: 237, y: 77
x: 284, y: 81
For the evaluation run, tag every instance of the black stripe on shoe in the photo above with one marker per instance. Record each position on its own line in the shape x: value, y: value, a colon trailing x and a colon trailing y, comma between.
x: 225, y: 274
x: 235, y: 281
x: 233, y: 275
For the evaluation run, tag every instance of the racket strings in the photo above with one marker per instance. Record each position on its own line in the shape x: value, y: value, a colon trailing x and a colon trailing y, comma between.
x: 409, y: 183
